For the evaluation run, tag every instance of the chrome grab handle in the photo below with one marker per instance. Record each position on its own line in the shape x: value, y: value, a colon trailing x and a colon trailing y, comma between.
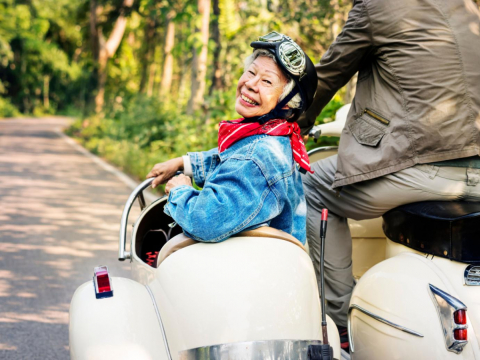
x: 122, y: 254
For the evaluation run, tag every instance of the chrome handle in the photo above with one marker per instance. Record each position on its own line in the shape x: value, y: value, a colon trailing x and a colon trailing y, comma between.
x: 122, y: 254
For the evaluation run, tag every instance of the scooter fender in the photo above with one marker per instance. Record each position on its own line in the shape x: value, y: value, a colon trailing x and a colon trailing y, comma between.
x: 124, y: 326
x: 397, y: 290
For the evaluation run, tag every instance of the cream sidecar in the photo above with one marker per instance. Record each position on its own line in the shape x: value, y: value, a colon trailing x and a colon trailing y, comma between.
x: 253, y: 296
x: 417, y: 294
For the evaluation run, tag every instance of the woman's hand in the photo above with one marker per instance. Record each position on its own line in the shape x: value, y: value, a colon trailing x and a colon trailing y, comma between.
x: 177, y: 181
x: 165, y: 171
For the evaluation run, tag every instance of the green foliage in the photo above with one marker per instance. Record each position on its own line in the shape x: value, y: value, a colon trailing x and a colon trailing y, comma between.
x: 141, y: 132
x: 7, y: 109
x: 327, y: 115
x: 35, y: 64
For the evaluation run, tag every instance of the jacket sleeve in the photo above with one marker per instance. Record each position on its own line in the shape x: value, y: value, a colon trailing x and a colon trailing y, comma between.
x: 341, y: 61
x: 202, y: 163
x: 226, y: 205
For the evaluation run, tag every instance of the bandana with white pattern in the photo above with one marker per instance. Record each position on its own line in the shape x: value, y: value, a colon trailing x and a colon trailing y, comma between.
x: 230, y: 132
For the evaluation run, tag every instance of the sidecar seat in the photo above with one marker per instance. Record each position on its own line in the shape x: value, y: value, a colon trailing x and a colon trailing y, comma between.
x: 449, y: 229
x: 181, y: 240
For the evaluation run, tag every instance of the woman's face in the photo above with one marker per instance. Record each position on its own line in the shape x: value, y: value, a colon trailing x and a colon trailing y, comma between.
x: 259, y: 88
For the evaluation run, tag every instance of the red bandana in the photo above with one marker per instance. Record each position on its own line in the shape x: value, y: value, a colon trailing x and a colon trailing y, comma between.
x: 230, y: 132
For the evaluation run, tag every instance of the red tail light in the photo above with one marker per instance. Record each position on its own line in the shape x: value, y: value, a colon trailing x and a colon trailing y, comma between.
x: 102, y: 283
x: 460, y: 334
x: 460, y: 317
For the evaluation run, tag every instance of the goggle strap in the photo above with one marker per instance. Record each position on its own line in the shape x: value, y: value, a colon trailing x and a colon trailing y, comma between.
x: 287, y: 98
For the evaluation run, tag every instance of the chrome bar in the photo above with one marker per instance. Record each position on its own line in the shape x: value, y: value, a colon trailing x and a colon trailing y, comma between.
x: 160, y: 322
x: 378, y: 318
x: 252, y: 350
x: 141, y: 201
x: 322, y: 149
x: 122, y: 254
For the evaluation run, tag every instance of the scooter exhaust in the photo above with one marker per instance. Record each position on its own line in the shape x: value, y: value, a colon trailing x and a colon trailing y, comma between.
x: 324, y: 351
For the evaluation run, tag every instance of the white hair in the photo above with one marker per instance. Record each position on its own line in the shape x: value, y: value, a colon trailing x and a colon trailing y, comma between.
x: 295, y: 102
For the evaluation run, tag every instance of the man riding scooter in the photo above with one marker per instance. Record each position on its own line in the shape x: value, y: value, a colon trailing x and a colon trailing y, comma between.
x: 412, y: 133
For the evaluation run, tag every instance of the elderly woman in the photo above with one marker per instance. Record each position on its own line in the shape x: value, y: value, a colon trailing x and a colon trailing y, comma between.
x: 251, y: 179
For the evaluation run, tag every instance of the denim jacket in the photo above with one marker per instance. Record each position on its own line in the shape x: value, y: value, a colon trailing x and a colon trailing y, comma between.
x: 253, y: 183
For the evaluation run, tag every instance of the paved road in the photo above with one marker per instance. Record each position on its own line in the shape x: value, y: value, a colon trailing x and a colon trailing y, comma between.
x: 59, y: 217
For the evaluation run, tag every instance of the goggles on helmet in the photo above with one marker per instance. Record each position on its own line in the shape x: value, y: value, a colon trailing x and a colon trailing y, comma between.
x: 288, y: 53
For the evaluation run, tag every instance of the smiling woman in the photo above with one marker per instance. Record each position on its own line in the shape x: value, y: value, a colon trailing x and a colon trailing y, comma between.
x: 263, y: 77
x: 251, y: 179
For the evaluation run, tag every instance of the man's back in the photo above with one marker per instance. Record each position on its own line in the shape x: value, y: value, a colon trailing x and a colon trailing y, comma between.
x: 418, y: 91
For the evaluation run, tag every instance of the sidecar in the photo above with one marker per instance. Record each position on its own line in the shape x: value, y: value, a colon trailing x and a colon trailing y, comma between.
x: 253, y: 296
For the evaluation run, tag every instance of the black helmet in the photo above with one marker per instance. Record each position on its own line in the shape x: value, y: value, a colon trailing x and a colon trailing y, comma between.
x: 298, y: 66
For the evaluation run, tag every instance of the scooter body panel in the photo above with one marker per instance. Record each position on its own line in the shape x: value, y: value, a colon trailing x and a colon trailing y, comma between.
x: 397, y: 290
x: 124, y: 326
x: 241, y: 290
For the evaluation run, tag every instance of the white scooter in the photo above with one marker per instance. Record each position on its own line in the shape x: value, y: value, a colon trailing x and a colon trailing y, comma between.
x: 415, y: 285
x: 251, y: 297
x: 255, y: 295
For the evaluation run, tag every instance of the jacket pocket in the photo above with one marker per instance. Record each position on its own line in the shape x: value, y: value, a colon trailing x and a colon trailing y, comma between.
x: 369, y: 128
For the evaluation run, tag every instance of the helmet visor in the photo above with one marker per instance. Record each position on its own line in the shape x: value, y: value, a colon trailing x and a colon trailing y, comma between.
x: 272, y: 37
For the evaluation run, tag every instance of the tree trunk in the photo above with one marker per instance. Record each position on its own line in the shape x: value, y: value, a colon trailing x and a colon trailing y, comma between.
x: 106, y: 49
x: 167, y: 74
x: 217, y: 72
x: 148, y: 56
x: 46, y: 90
x: 199, y: 61
x: 151, y: 78
x: 338, y: 19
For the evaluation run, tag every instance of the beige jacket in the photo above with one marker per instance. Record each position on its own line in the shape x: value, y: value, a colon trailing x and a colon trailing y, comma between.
x: 418, y: 91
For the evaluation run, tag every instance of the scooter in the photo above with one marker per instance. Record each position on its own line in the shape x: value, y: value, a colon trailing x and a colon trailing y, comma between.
x: 253, y: 296
x: 418, y: 281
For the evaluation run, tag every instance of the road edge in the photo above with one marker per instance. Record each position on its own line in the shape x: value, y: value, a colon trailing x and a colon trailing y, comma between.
x: 132, y: 184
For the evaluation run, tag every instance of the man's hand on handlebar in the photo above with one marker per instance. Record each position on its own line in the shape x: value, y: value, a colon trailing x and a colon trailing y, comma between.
x: 162, y: 172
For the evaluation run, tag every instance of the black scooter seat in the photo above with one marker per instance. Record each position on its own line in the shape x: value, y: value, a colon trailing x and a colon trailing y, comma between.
x: 449, y: 229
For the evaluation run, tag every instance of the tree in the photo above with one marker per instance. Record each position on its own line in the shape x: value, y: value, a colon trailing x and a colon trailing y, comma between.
x: 103, y: 49
x: 167, y: 73
x: 199, y: 60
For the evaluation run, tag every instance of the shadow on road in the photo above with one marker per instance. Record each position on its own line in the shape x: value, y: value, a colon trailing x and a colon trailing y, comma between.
x: 59, y: 217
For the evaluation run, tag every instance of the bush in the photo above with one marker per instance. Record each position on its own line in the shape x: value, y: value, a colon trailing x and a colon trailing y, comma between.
x: 140, y: 132
x: 7, y: 109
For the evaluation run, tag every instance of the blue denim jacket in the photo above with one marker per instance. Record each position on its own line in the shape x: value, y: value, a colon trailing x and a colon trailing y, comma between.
x: 254, y: 182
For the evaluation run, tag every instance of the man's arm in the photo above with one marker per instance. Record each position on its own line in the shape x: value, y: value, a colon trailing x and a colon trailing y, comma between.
x: 342, y: 60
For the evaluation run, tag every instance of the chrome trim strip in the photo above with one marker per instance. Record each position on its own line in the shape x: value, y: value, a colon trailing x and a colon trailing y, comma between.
x: 452, y: 301
x: 378, y: 318
x: 446, y: 305
x: 162, y: 328
x: 122, y: 254
x: 252, y: 350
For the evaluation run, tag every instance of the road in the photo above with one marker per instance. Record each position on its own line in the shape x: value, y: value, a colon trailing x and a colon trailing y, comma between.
x: 59, y: 217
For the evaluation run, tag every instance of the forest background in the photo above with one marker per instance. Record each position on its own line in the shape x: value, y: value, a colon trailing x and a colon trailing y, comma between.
x: 148, y: 80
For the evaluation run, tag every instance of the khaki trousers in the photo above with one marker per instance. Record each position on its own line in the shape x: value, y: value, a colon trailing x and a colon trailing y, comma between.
x: 367, y: 200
